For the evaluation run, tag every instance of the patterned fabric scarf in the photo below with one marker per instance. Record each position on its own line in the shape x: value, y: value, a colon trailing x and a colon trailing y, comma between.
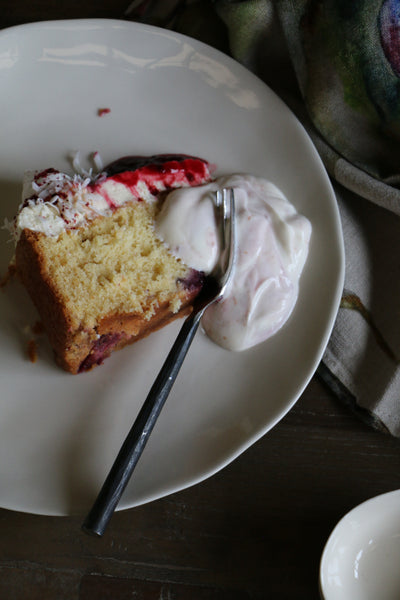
x: 347, y: 60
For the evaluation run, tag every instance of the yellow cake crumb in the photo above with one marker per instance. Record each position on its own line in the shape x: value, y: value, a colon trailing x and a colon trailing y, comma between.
x: 113, y: 266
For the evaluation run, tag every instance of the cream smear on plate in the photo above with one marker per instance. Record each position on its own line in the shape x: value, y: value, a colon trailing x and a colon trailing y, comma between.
x: 273, y: 243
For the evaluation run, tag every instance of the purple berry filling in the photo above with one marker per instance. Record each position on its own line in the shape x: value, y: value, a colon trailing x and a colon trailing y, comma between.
x: 194, y: 281
x: 101, y: 350
x: 131, y: 163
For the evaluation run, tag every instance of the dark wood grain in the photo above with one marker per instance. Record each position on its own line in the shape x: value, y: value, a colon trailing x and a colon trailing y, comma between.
x: 16, y: 13
x: 255, y: 530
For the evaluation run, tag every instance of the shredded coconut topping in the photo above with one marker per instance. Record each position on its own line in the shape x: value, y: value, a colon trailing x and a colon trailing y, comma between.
x: 54, y: 201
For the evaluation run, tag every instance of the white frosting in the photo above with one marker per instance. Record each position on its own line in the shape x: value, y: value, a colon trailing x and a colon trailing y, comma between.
x: 38, y: 217
x: 273, y: 241
x: 118, y: 192
x: 55, y: 201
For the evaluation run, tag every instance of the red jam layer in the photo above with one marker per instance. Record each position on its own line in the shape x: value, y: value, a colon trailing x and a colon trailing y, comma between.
x: 159, y: 173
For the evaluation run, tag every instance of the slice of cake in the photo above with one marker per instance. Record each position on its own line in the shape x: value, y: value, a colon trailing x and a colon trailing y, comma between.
x: 88, y: 255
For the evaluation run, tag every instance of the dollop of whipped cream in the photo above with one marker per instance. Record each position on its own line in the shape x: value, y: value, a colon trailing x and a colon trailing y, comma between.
x: 273, y: 242
x: 187, y: 225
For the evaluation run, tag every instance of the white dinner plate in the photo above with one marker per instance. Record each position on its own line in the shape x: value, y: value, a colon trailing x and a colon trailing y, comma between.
x: 60, y: 433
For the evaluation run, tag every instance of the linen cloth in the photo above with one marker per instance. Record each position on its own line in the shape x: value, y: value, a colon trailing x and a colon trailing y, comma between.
x: 336, y: 63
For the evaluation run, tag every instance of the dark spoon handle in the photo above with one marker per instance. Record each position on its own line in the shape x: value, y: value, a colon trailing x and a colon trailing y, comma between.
x: 133, y: 446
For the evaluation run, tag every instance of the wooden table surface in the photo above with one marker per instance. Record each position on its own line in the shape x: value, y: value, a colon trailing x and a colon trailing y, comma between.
x: 254, y: 530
